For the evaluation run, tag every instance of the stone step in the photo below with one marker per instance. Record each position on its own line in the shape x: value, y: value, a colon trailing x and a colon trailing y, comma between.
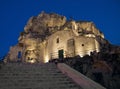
x: 34, y: 76
x: 38, y: 84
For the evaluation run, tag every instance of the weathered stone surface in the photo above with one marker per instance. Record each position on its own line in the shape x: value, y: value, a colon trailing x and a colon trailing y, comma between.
x: 46, y: 34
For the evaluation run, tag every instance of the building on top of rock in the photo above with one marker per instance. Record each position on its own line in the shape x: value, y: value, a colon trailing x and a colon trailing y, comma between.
x: 51, y: 36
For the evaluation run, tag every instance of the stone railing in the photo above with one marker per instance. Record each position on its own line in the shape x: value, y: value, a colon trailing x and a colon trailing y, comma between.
x: 79, y: 78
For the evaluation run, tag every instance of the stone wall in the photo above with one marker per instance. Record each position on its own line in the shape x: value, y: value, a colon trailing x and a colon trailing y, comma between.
x: 84, y: 46
x: 13, y: 53
x: 81, y: 46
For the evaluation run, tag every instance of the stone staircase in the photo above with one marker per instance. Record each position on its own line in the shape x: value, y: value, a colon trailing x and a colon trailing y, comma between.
x: 34, y: 76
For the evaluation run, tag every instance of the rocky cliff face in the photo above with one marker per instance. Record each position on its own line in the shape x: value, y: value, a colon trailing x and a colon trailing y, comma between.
x: 45, y: 24
x: 40, y: 27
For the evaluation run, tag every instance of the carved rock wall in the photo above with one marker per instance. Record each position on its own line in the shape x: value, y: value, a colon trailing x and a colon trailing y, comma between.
x: 46, y: 34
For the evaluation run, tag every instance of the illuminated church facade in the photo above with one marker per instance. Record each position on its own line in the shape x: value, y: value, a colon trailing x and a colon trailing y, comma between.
x: 51, y: 36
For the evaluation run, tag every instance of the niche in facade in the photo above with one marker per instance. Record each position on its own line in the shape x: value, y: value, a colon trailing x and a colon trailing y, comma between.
x: 57, y: 40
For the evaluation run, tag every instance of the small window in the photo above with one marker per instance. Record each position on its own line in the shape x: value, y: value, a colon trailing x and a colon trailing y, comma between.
x: 57, y: 41
x: 82, y: 44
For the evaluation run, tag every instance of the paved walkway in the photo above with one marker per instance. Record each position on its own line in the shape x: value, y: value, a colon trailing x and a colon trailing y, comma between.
x: 34, y: 76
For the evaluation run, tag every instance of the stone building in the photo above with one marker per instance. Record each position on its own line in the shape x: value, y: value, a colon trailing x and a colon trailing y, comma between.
x: 52, y: 36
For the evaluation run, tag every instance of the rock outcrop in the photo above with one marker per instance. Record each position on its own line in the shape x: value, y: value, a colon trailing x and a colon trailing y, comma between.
x: 39, y: 29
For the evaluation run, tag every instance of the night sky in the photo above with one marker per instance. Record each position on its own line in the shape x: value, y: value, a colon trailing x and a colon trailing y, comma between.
x: 14, y: 15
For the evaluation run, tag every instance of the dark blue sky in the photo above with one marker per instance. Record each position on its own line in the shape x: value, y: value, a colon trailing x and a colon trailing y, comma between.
x: 14, y: 14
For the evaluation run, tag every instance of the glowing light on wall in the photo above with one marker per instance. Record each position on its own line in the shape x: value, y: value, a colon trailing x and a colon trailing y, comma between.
x: 90, y: 35
x: 32, y: 61
x: 81, y: 53
x: 46, y: 59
